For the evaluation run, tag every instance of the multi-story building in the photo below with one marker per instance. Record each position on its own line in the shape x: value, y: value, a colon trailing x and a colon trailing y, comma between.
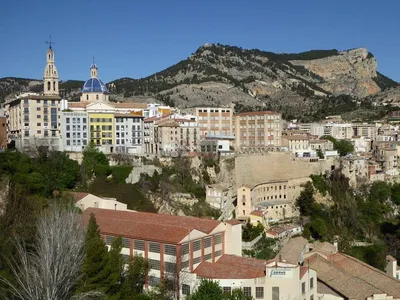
x: 296, y: 143
x: 33, y: 120
x: 129, y: 133
x: 339, y: 131
x: 190, y: 134
x: 275, y: 196
x: 101, y: 131
x: 167, y: 137
x: 258, y: 129
x: 74, y: 133
x: 365, y: 130
x: 214, y: 122
x: 186, y: 249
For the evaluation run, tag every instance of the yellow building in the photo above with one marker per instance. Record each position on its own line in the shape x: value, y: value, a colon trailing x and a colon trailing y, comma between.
x: 101, y: 129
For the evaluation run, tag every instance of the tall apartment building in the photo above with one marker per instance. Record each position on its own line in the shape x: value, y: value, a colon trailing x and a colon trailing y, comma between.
x: 190, y: 134
x: 258, y: 129
x: 129, y: 133
x: 74, y: 133
x: 34, y: 119
x: 365, y: 130
x: 214, y: 122
x: 167, y: 137
x: 339, y: 131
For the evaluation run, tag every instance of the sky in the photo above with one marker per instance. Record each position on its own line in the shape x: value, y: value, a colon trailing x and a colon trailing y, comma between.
x: 135, y: 38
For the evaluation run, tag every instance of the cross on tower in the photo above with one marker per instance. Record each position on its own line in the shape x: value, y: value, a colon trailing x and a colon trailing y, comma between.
x: 49, y: 42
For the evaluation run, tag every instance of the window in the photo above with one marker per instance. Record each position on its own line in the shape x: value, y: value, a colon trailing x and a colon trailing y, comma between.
x: 109, y: 239
x: 207, y: 242
x: 275, y: 293
x: 196, y: 260
x: 170, y: 267
x: 170, y: 250
x: 196, y: 245
x: 39, y: 132
x: 154, y: 264
x: 311, y: 282
x: 227, y: 289
x: 207, y: 256
x: 126, y: 242
x: 38, y: 116
x: 67, y: 120
x: 185, y: 249
x: 247, y: 291
x: 126, y: 258
x: 38, y: 108
x: 87, y: 97
x: 185, y: 289
x: 312, y: 297
x: 218, y: 238
x: 303, y: 287
x: 260, y: 292
x: 26, y: 133
x: 68, y: 142
x: 185, y: 264
x: 38, y: 124
x: 97, y: 97
x: 154, y: 247
x: 218, y: 253
x: 138, y: 245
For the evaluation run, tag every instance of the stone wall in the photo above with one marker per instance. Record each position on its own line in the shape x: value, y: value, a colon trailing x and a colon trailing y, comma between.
x: 252, y: 169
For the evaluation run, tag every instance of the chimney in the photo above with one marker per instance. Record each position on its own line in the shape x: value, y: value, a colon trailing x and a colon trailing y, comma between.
x: 335, y: 243
x: 391, y: 266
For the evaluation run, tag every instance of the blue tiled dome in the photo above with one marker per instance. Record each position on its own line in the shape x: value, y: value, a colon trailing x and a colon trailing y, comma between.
x: 94, y: 85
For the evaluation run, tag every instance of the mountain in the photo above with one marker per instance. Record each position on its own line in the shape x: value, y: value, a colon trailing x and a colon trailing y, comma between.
x: 309, y: 85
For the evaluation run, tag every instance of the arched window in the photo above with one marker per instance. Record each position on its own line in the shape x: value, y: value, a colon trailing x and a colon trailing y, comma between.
x: 97, y: 97
x: 48, y: 86
x: 49, y: 56
x: 87, y: 97
x: 54, y: 85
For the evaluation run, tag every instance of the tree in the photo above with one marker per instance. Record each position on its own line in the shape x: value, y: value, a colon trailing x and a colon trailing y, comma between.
x: 51, y: 269
x: 95, y: 162
x: 114, y: 270
x: 306, y: 200
x: 380, y: 191
x: 207, y: 290
x: 396, y: 193
x: 134, y: 277
x: 94, y: 272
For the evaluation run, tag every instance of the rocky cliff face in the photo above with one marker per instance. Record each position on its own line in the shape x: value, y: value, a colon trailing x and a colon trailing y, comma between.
x: 350, y: 72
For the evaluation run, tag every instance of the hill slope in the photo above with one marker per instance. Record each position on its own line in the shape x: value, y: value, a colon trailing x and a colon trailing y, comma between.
x: 305, y: 84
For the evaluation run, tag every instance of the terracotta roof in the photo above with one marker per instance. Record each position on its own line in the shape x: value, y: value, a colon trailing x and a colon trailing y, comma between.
x: 149, y: 226
x: 127, y: 116
x: 78, y: 195
x: 257, y: 213
x: 257, y: 113
x: 367, y: 273
x: 233, y: 222
x: 275, y: 230
x: 167, y: 123
x: 291, y: 252
x: 349, y: 286
x: 232, y: 267
x: 151, y: 119
x: 303, y: 271
x: 130, y: 105
x: 324, y: 248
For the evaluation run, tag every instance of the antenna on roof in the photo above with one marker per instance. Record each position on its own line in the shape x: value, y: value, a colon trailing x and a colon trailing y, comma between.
x: 49, y: 42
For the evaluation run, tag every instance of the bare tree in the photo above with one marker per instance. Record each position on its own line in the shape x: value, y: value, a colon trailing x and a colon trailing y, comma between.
x: 51, y: 269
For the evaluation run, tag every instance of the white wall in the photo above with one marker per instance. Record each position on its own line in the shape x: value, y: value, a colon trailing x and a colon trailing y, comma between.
x: 94, y: 201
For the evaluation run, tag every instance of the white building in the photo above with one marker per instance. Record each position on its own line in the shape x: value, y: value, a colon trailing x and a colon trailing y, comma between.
x: 86, y: 200
x: 74, y: 133
x: 129, y: 134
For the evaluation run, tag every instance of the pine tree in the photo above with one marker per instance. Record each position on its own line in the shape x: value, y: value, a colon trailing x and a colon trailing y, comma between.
x: 114, y: 270
x: 135, y: 277
x: 94, y: 272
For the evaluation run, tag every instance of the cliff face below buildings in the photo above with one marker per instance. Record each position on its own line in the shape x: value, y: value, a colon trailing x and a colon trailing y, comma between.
x: 296, y: 84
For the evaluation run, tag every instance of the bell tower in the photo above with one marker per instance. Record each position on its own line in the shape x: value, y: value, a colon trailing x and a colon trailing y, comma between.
x: 50, y: 78
x: 94, y: 71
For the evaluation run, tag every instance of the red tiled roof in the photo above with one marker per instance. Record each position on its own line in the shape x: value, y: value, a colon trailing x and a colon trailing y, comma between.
x: 232, y: 267
x: 233, y: 222
x: 257, y: 213
x: 77, y: 104
x: 303, y: 271
x: 148, y: 226
x: 78, y: 195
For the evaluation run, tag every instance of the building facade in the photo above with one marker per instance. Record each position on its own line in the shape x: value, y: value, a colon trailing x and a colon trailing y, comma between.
x: 129, y: 133
x: 258, y: 129
x: 74, y: 133
x: 101, y: 131
x: 34, y: 120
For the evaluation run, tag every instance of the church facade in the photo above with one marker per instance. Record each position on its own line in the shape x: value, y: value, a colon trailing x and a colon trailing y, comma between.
x: 34, y: 120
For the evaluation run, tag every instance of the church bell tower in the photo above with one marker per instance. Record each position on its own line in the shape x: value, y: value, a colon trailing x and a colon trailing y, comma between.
x: 50, y: 74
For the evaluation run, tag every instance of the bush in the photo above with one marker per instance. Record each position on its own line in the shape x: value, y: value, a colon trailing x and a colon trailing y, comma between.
x: 120, y: 173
